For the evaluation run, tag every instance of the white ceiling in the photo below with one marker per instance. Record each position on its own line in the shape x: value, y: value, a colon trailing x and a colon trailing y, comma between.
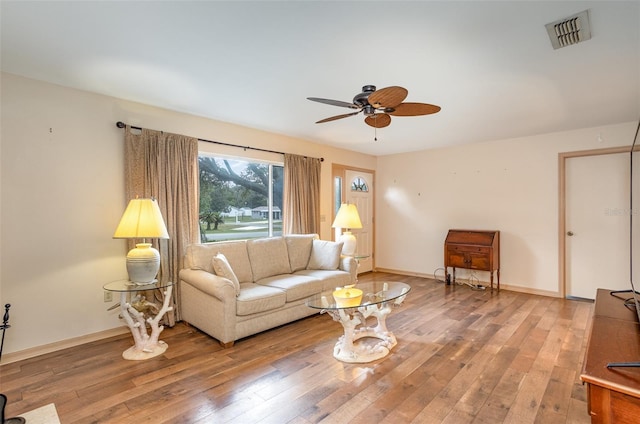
x: 488, y: 64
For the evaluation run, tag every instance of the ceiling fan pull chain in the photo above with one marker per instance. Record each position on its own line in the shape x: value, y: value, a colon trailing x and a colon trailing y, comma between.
x: 375, y: 133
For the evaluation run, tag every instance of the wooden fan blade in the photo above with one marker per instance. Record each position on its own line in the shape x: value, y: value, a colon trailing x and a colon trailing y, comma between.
x: 379, y: 120
x: 414, y: 109
x: 387, y: 97
x: 333, y: 102
x: 333, y: 118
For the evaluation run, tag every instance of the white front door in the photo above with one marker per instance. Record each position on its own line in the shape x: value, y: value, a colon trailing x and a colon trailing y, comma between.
x: 597, y: 224
x: 358, y: 188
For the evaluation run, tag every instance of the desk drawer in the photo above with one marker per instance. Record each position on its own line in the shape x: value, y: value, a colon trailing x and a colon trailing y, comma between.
x: 472, y: 257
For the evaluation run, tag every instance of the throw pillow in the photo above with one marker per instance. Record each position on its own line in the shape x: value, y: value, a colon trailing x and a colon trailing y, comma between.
x: 222, y: 269
x: 325, y: 254
x: 268, y: 257
x: 299, y: 248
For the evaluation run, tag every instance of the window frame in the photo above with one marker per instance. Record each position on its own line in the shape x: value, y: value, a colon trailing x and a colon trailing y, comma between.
x: 271, y: 164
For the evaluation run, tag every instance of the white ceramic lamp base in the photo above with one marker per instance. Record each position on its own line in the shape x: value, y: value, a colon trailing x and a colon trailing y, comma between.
x: 143, y: 263
x: 350, y: 243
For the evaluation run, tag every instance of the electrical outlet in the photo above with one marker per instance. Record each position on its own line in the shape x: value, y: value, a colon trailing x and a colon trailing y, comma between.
x: 108, y: 296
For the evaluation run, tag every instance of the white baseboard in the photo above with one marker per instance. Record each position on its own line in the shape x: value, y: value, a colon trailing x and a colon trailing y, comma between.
x: 503, y: 286
x: 63, y: 344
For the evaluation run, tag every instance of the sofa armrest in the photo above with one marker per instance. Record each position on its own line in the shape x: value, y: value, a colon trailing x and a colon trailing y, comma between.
x: 349, y: 264
x: 208, y: 302
x: 209, y: 283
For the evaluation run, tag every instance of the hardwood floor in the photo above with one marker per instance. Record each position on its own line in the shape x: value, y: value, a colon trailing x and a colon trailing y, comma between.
x: 463, y: 356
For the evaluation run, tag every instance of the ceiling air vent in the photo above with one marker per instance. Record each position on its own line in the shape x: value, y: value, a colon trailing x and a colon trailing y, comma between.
x: 571, y: 30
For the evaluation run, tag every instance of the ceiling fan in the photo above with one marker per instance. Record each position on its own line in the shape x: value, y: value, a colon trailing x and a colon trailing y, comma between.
x: 378, y: 105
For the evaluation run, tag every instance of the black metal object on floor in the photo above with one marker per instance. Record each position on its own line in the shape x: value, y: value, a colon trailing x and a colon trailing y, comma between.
x: 5, y: 325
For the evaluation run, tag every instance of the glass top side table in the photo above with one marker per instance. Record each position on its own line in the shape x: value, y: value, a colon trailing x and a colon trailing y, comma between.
x: 377, y: 300
x: 137, y: 312
x: 358, y: 259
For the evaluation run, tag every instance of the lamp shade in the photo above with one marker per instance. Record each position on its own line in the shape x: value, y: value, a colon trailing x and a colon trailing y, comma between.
x: 347, y: 217
x: 142, y: 219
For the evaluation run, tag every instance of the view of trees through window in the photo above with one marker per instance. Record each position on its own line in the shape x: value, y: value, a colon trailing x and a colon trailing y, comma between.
x: 236, y: 197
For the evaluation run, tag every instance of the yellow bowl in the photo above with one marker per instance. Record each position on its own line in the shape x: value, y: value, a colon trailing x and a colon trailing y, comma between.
x: 347, y: 297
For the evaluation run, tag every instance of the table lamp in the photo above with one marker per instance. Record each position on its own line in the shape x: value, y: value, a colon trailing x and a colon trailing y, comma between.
x: 347, y: 218
x: 141, y: 220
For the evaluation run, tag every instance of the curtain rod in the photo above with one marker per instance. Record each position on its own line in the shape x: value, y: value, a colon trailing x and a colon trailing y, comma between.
x: 121, y: 124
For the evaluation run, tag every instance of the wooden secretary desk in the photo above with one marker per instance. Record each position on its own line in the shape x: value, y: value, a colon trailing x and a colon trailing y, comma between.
x: 473, y: 249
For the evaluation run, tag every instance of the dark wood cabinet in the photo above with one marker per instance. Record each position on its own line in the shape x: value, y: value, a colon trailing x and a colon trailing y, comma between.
x: 613, y: 393
x: 473, y: 249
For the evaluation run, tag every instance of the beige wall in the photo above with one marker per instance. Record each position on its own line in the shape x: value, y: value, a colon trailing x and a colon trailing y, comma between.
x: 63, y: 194
x: 506, y: 185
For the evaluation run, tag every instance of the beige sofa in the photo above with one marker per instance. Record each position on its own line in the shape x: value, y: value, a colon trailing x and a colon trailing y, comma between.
x: 234, y: 289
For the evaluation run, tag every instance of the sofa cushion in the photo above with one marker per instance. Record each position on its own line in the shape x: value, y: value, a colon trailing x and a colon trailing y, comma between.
x: 269, y: 257
x: 295, y: 286
x: 325, y: 254
x: 199, y: 256
x: 222, y: 269
x: 330, y: 278
x: 299, y: 249
x: 256, y: 298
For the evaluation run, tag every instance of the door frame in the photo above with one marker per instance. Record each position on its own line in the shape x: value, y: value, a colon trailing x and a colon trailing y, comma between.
x: 562, y: 206
x: 338, y: 170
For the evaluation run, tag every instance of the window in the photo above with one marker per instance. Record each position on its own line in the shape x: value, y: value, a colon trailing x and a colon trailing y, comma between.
x: 358, y: 184
x: 337, y: 194
x: 239, y: 199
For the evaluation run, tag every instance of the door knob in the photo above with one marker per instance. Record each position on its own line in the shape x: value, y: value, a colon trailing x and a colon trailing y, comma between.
x: 569, y: 233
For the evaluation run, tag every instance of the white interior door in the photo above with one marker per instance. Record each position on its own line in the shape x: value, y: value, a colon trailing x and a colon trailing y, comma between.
x: 358, y: 188
x: 597, y: 224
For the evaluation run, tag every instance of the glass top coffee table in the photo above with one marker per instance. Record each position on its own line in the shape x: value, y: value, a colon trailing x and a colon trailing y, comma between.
x: 352, y: 311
